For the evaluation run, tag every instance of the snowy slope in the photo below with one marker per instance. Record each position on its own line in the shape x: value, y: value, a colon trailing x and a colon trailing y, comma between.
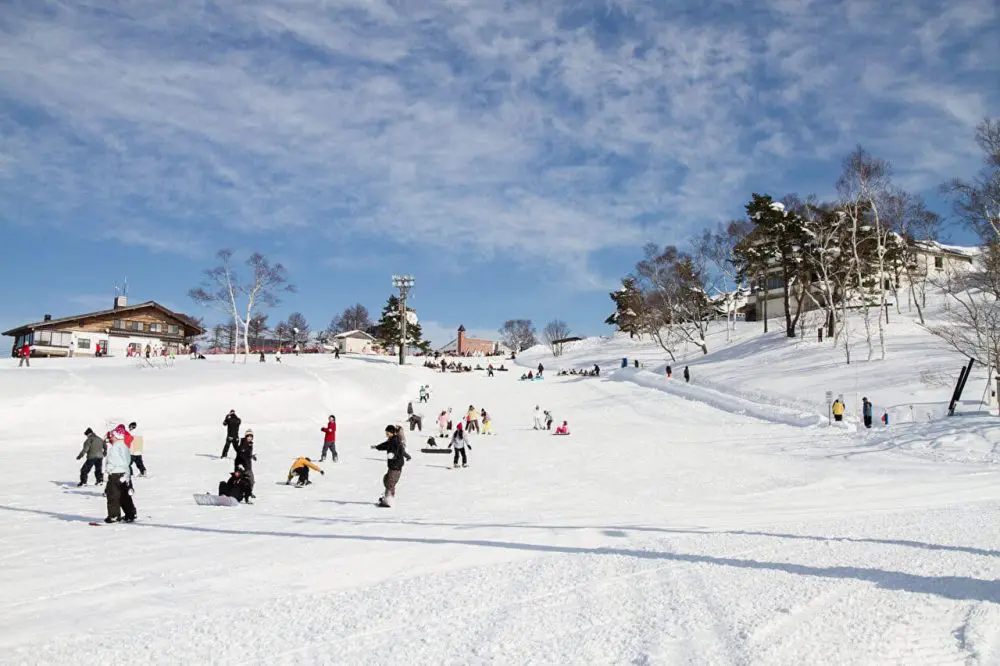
x: 664, y: 530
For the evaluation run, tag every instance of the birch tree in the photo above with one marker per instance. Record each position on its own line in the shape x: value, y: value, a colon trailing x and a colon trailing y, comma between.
x: 977, y: 202
x: 717, y: 249
x: 220, y: 290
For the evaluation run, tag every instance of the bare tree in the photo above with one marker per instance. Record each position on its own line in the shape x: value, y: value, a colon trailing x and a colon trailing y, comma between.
x: 518, y: 334
x: 978, y: 202
x: 354, y: 318
x: 258, y: 328
x: 555, y: 331
x: 299, y: 327
x: 673, y: 285
x: 718, y: 249
x: 223, y: 290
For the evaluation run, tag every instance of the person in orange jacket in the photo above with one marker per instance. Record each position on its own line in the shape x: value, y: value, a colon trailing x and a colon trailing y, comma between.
x: 301, y: 467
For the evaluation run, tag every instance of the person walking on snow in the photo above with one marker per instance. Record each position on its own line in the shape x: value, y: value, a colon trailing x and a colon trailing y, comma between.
x: 687, y: 374
x: 329, y: 439
x: 472, y: 420
x: 94, y: 449
x: 136, y: 449
x: 548, y: 420
x: 541, y: 369
x: 119, y: 488
x: 487, y: 423
x: 538, y: 419
x: 25, y: 355
x: 396, y: 455
x: 423, y: 394
x: 409, y: 409
x: 866, y: 412
x: 301, y: 467
x: 277, y: 355
x: 245, y: 457
x: 232, y: 425
x: 459, y: 443
x: 838, y: 410
x: 442, y: 421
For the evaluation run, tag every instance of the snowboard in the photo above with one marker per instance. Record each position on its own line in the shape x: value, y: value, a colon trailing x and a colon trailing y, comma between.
x: 436, y: 450
x: 208, y: 499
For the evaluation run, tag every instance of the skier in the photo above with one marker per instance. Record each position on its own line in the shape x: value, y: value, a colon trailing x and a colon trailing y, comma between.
x: 94, y: 449
x: 119, y: 488
x: 459, y: 443
x: 687, y: 374
x: 487, y: 423
x: 238, y: 486
x: 232, y: 424
x: 538, y: 418
x: 396, y: 456
x: 245, y: 457
x: 136, y: 450
x: 330, y: 439
x: 866, y: 412
x: 548, y: 420
x: 563, y: 429
x: 301, y: 467
x: 442, y: 421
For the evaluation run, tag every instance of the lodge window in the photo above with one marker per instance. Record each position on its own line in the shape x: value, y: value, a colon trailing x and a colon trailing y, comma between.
x: 119, y: 324
x: 53, y: 338
x: 156, y: 328
x: 939, y: 262
x: 135, y: 326
x: 83, y: 343
x: 173, y: 329
x: 775, y: 282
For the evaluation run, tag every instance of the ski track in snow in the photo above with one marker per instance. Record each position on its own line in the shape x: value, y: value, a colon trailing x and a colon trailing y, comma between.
x: 663, y: 531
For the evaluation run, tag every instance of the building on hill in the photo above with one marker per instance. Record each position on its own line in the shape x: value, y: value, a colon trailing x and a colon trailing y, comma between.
x: 354, y: 342
x: 466, y: 346
x: 113, y: 332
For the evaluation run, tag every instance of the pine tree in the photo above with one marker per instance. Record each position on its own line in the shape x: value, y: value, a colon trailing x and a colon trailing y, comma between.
x: 630, y: 308
x: 389, y: 324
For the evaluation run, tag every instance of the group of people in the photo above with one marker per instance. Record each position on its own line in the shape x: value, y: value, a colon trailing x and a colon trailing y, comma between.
x: 595, y: 372
x: 543, y: 420
x: 115, y: 454
x: 837, y: 409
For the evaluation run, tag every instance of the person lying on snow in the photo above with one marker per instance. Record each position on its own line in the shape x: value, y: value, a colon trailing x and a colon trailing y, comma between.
x: 301, y: 467
x: 238, y: 486
x: 563, y: 429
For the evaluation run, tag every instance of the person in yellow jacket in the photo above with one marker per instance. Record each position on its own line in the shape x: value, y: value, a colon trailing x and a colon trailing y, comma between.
x: 838, y: 410
x: 301, y: 467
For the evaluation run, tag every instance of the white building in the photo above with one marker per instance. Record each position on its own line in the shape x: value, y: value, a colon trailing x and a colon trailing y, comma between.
x: 354, y: 342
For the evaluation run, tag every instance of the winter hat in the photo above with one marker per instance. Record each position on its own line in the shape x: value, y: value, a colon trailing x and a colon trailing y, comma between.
x: 88, y: 432
x: 132, y: 426
x: 332, y: 417
x: 248, y: 432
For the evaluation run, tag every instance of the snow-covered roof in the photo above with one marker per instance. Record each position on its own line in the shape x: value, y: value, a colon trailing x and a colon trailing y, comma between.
x: 354, y: 334
x: 960, y: 250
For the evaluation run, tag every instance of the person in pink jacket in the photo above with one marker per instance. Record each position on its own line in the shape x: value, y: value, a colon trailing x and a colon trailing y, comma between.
x: 442, y: 422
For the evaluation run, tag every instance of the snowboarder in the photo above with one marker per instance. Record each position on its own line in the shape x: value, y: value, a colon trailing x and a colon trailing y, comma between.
x: 489, y: 370
x: 838, y: 410
x: 246, y: 457
x: 487, y: 423
x: 25, y: 356
x: 459, y: 444
x: 119, y: 488
x: 136, y: 449
x: 416, y: 422
x: 396, y: 456
x: 94, y: 449
x: 442, y: 421
x: 329, y: 439
x: 866, y: 412
x: 563, y: 429
x: 232, y: 424
x: 238, y: 486
x: 538, y: 418
x: 687, y: 374
x: 301, y: 467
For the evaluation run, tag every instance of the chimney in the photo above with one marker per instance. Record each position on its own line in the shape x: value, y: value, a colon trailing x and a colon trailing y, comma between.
x: 47, y: 317
x: 120, y: 301
x: 461, y: 341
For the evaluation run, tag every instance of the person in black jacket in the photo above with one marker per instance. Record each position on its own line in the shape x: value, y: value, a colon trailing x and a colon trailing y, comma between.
x: 94, y: 449
x: 396, y: 456
x: 238, y: 486
x: 232, y: 423
x: 245, y: 457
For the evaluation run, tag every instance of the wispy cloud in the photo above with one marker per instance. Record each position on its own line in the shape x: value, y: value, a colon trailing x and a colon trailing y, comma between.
x: 522, y: 130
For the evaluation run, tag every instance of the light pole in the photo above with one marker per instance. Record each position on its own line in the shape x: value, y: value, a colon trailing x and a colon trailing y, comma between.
x: 404, y: 283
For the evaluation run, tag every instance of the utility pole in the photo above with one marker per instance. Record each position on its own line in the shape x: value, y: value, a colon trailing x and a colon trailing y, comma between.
x: 404, y: 283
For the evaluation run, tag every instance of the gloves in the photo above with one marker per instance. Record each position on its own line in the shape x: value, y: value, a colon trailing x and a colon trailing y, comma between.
x: 254, y: 458
x: 79, y: 456
x: 468, y: 446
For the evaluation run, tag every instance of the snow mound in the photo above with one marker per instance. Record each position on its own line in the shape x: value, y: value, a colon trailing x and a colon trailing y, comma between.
x: 959, y: 439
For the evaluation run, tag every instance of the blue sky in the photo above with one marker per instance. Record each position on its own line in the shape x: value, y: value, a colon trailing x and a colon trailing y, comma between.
x: 513, y: 156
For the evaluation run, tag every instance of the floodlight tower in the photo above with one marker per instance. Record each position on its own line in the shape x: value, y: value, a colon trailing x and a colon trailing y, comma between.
x: 404, y: 283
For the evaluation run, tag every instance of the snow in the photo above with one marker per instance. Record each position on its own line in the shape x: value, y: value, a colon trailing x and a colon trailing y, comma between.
x: 721, y: 522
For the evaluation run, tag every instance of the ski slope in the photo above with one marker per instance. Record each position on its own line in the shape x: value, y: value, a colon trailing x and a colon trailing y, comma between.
x: 665, y: 530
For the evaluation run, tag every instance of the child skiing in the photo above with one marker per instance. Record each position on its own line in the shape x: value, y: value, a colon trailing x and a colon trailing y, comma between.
x: 329, y: 439
x: 396, y: 456
x: 137, y: 447
x: 301, y: 467
x: 119, y: 488
x: 459, y: 443
x: 94, y: 449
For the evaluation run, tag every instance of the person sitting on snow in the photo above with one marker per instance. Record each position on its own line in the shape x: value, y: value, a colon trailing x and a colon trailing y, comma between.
x: 301, y: 467
x: 563, y: 429
x: 237, y: 487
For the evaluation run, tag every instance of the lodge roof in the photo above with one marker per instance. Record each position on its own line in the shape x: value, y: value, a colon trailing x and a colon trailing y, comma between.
x: 191, y: 327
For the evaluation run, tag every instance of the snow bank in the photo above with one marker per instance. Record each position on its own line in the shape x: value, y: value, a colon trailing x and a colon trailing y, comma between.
x: 958, y: 439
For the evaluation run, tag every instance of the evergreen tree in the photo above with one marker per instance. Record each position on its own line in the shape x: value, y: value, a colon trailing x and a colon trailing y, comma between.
x: 389, y: 328
x: 630, y: 309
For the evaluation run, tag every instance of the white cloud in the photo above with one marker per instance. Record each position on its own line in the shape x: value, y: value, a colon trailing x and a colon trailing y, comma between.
x: 489, y: 124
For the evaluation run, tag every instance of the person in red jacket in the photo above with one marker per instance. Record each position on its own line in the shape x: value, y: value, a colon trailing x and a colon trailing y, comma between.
x: 25, y: 355
x: 330, y: 439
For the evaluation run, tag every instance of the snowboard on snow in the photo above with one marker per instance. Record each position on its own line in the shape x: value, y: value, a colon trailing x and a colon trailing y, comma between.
x: 436, y: 450
x: 208, y: 499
